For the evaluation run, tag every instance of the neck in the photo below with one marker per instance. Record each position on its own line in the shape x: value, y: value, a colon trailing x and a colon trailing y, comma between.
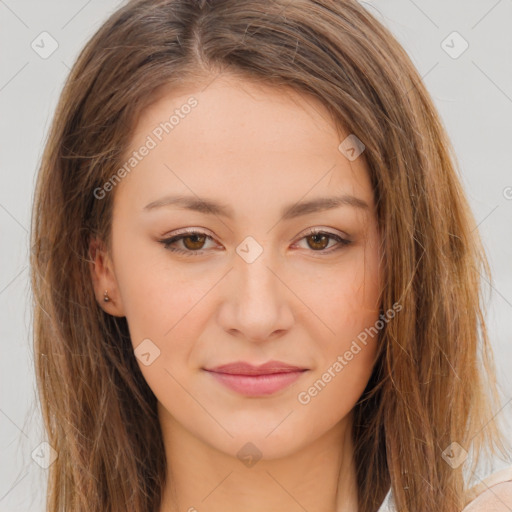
x: 320, y: 476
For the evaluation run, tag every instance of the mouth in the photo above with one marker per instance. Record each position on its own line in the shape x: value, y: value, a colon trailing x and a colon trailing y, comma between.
x: 250, y: 380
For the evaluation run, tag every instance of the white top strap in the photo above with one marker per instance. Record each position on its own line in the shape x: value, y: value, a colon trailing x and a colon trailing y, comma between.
x: 504, y: 475
x: 388, y: 505
x: 498, y: 477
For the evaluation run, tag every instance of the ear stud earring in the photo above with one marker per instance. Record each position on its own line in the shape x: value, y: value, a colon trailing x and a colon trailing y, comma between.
x: 106, y: 298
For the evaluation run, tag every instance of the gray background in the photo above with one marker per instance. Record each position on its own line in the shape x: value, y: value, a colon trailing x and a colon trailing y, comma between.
x: 473, y: 93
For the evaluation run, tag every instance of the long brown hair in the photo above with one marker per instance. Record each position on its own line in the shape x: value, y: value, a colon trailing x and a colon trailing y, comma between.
x: 433, y: 383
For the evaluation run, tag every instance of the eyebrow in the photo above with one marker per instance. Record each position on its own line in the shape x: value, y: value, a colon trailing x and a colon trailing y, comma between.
x: 212, y: 207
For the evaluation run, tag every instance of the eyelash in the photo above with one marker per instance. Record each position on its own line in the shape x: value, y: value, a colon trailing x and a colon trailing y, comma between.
x: 342, y: 242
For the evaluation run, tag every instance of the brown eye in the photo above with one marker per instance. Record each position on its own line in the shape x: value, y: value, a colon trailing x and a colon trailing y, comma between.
x: 194, y: 242
x: 189, y: 243
x: 319, y: 241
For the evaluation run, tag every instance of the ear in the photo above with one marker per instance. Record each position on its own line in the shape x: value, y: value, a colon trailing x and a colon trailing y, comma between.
x: 104, y: 279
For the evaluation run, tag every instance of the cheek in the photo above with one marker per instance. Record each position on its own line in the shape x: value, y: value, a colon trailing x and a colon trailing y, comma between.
x: 349, y: 304
x: 170, y: 315
x: 166, y: 309
x: 163, y: 312
x: 346, y: 297
x: 157, y: 295
x: 347, y: 356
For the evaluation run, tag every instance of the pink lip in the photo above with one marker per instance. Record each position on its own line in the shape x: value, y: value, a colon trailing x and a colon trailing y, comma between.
x: 251, y: 380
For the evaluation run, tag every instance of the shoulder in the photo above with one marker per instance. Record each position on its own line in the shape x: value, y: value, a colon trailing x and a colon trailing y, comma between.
x: 493, y: 494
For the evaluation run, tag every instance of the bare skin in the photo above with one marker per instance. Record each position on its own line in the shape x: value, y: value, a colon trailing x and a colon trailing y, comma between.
x: 303, y: 300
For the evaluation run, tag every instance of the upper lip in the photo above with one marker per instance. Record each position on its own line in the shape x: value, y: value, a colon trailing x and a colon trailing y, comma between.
x: 243, y: 368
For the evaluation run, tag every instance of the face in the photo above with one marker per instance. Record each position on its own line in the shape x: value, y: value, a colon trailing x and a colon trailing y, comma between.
x: 248, y: 267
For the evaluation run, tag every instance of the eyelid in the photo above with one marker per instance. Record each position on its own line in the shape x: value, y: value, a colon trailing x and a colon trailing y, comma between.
x: 326, y: 230
x: 193, y: 231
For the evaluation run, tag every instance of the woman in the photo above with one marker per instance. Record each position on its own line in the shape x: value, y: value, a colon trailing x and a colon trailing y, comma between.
x: 256, y: 273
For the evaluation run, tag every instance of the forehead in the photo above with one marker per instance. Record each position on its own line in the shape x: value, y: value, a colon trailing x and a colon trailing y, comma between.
x: 237, y: 137
x: 251, y: 113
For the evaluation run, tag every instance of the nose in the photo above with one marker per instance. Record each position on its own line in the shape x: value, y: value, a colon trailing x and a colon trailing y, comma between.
x: 257, y: 301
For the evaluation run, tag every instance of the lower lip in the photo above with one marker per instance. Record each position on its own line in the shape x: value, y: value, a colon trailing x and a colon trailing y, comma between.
x: 257, y: 385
